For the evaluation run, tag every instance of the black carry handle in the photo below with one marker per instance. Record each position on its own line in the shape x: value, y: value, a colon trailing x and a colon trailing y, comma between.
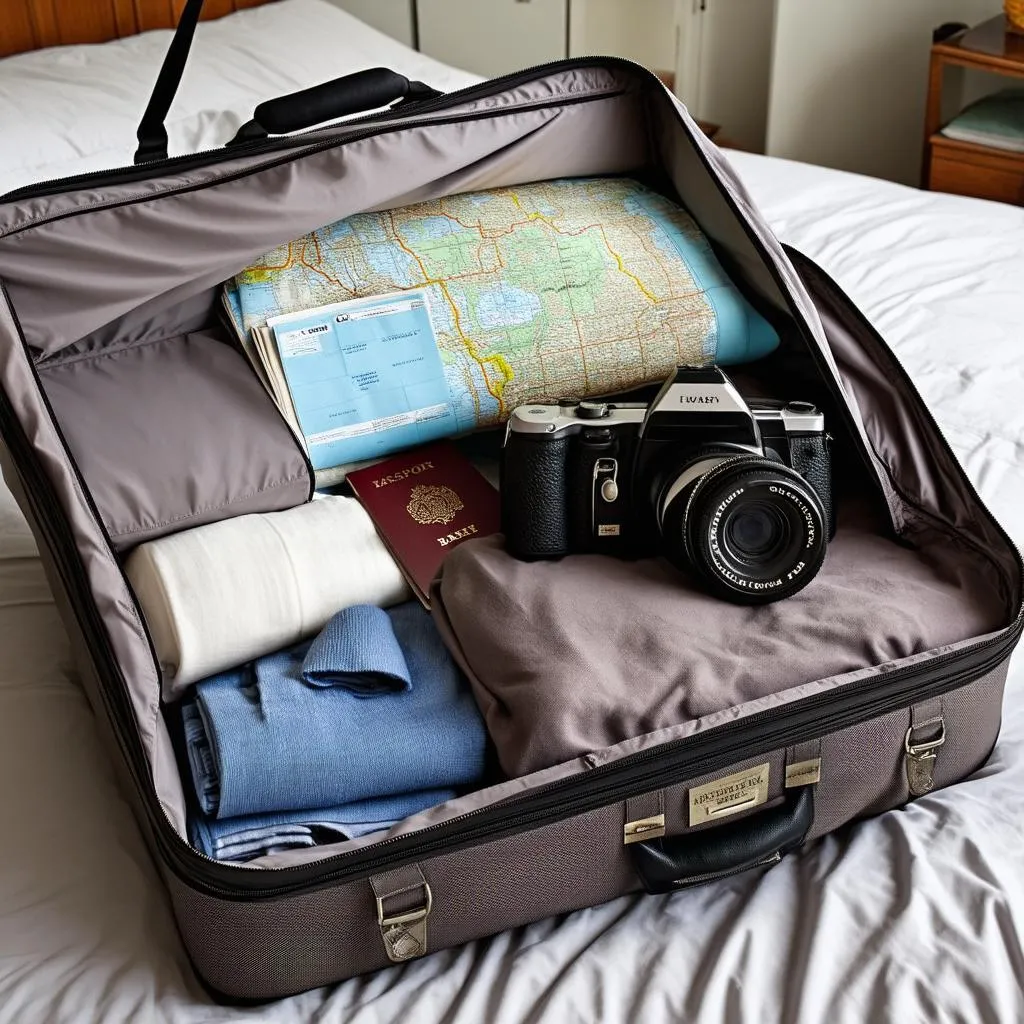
x: 667, y: 865
x: 152, y: 134
x: 365, y: 90
x: 350, y: 94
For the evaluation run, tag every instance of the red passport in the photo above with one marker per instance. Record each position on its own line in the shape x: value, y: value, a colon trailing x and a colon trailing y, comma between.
x: 424, y: 503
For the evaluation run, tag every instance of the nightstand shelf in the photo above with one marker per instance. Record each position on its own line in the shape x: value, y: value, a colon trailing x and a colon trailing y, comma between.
x: 964, y: 167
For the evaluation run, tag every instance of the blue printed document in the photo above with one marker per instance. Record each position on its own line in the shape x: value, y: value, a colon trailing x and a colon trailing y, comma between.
x: 365, y: 377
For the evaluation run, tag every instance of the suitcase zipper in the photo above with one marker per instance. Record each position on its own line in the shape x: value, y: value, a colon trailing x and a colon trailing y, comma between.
x: 633, y: 774
x: 637, y: 773
x: 689, y: 757
x: 334, y: 143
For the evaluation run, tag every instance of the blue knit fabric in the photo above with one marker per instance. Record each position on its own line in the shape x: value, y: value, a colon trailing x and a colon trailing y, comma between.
x: 257, y: 834
x: 338, y: 656
x: 265, y: 740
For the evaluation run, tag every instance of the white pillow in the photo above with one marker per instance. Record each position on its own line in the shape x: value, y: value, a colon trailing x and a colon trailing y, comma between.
x: 70, y: 109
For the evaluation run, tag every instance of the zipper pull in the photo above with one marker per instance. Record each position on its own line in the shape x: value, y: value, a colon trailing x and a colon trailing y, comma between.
x: 920, y: 760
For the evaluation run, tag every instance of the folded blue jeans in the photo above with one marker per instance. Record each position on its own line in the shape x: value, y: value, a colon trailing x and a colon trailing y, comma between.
x: 254, y: 835
x: 373, y: 707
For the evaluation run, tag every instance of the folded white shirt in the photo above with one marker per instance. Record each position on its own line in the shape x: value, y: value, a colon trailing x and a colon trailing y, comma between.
x: 223, y: 594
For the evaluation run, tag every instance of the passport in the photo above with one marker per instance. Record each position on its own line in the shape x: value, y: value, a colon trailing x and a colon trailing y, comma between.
x: 424, y: 503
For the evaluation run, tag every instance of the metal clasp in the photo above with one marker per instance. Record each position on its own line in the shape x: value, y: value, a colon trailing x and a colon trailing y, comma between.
x: 642, y: 829
x: 405, y: 933
x: 921, y: 758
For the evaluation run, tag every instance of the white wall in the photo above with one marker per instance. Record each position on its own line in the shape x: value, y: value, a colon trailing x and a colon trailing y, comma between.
x: 724, y: 65
x: 849, y: 80
x: 393, y: 17
x: 642, y: 30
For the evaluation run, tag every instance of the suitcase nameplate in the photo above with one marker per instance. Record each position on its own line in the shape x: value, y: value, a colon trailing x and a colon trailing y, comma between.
x: 729, y: 795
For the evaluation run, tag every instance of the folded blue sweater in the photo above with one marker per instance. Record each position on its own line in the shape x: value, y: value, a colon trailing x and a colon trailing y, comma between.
x: 374, y: 707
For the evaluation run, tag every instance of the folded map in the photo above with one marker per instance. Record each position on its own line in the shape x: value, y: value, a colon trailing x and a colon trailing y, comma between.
x: 397, y: 327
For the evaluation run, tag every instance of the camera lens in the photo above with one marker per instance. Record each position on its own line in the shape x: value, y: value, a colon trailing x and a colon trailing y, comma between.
x: 756, y: 531
x: 753, y: 529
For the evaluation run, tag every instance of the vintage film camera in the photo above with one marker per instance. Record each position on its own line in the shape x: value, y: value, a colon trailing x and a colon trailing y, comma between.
x: 738, y: 493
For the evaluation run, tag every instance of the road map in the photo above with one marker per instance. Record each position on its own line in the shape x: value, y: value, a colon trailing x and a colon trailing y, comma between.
x: 533, y: 293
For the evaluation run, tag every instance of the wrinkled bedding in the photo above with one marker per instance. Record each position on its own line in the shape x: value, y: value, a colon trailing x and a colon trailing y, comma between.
x: 912, y: 916
x: 74, y: 109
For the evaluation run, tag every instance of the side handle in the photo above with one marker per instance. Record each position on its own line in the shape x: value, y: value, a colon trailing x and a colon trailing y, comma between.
x: 667, y: 865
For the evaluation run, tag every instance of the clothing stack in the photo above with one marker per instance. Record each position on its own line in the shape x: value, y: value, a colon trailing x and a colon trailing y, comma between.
x: 223, y: 594
x: 309, y: 713
x: 330, y: 739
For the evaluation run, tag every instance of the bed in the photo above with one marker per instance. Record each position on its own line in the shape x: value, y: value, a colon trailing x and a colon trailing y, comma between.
x: 914, y: 915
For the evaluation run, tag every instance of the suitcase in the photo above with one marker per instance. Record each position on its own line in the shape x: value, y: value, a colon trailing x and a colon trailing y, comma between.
x: 124, y: 416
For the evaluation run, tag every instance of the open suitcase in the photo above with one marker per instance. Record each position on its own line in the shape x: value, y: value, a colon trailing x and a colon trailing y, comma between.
x: 124, y: 415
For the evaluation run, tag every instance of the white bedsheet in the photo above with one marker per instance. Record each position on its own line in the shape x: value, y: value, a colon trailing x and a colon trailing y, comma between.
x: 913, y: 916
x: 73, y: 109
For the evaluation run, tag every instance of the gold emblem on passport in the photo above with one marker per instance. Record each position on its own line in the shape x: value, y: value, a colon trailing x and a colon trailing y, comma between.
x: 431, y: 504
x: 729, y: 795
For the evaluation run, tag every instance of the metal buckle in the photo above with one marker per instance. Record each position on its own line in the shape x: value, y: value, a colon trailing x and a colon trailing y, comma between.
x: 642, y: 829
x: 920, y: 760
x: 917, y: 749
x: 604, y: 488
x: 405, y: 934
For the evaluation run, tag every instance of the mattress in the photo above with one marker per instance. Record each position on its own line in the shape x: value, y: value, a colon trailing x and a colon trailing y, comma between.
x: 914, y: 915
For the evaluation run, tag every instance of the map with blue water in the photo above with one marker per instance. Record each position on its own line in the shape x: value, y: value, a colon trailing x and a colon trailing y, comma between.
x: 477, y: 303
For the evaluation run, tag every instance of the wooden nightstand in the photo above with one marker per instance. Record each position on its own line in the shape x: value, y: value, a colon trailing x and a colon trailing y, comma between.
x: 963, y: 167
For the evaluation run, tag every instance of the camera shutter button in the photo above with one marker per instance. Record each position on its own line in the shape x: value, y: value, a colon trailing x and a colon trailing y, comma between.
x: 592, y: 410
x: 610, y: 490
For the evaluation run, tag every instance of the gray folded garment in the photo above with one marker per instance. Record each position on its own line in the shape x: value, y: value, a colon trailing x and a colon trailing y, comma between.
x: 575, y: 655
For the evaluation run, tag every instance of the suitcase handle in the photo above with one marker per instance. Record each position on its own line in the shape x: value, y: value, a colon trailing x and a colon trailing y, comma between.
x: 364, y: 90
x: 350, y: 94
x: 667, y: 865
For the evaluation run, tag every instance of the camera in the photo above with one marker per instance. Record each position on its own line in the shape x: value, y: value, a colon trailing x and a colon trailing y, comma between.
x: 738, y: 493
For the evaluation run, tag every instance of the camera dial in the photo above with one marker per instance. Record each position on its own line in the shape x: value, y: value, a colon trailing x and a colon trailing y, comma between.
x: 592, y: 410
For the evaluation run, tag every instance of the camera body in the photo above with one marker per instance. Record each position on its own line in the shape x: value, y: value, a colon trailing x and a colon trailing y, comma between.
x: 739, y: 492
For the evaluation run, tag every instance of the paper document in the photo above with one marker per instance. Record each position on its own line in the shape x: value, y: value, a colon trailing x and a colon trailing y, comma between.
x: 365, y: 377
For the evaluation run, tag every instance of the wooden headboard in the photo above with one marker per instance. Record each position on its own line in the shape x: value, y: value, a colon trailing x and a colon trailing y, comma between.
x: 32, y: 24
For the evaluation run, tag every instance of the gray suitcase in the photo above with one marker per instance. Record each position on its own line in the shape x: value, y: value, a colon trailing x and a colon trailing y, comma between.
x: 125, y: 416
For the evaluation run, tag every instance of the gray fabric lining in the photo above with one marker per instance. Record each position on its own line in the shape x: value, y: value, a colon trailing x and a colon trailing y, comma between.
x: 174, y: 433
x: 71, y: 277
